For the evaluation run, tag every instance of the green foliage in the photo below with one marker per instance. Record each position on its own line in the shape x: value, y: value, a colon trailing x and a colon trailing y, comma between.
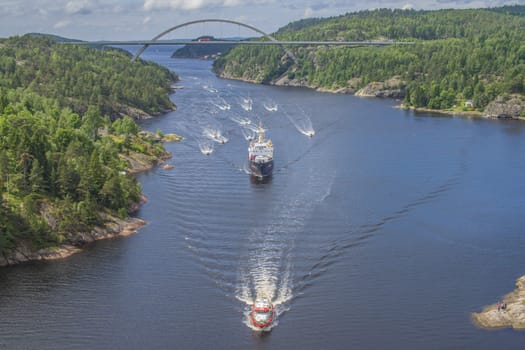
x: 202, y: 50
x: 59, y: 165
x: 473, y: 54
x: 125, y: 126
x: 79, y: 77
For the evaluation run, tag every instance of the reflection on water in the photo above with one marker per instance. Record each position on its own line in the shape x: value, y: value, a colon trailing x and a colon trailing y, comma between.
x: 257, y: 181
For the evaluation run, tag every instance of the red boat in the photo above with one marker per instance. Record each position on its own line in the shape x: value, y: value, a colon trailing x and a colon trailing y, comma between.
x: 262, y: 313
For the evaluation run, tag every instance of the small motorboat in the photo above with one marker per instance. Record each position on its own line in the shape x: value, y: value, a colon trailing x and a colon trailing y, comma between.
x: 262, y: 313
x: 216, y: 136
x: 310, y: 133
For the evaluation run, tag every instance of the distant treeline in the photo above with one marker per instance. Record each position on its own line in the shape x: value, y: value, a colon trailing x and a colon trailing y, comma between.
x: 458, y: 55
x: 61, y: 154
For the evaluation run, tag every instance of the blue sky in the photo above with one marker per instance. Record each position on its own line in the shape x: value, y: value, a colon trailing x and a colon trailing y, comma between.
x: 143, y: 19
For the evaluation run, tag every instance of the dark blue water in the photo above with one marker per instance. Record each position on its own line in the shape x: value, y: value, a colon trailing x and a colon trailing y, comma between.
x: 385, y: 230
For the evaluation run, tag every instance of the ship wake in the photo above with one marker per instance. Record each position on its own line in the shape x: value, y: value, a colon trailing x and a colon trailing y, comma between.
x: 206, y: 147
x: 267, y: 270
x: 302, y: 123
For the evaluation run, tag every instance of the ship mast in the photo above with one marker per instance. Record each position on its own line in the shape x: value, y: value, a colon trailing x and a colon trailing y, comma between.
x: 261, y: 132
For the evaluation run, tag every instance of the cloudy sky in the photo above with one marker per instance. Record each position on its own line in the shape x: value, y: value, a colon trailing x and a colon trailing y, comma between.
x: 143, y: 19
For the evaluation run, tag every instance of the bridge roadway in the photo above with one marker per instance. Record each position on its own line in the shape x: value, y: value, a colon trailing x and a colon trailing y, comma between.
x: 239, y: 42
x: 271, y: 40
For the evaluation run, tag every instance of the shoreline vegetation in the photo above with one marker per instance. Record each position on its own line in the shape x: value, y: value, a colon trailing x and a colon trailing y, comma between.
x: 513, y: 315
x: 453, y: 113
x: 112, y: 226
x: 372, y: 91
x: 380, y: 94
x: 70, y: 144
x: 461, y: 60
x: 112, y: 229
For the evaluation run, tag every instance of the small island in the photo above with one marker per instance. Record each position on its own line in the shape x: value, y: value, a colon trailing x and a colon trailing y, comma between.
x: 203, y: 51
x: 513, y: 315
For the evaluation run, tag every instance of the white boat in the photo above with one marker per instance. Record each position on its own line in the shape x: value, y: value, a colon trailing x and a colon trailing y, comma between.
x: 216, y: 136
x: 262, y: 313
x: 310, y: 133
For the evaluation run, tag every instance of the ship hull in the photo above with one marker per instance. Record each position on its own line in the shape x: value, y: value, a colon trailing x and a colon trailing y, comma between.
x: 262, y: 324
x: 261, y: 169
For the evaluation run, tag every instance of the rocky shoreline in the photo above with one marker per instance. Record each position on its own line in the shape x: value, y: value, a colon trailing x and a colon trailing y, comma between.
x: 443, y: 111
x: 513, y: 315
x: 503, y: 107
x: 113, y: 228
x: 470, y: 114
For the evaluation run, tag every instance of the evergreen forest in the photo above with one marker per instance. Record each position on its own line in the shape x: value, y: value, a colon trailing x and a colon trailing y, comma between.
x: 456, y: 55
x: 65, y: 137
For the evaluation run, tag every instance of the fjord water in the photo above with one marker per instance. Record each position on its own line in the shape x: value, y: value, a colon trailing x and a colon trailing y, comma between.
x: 384, y: 230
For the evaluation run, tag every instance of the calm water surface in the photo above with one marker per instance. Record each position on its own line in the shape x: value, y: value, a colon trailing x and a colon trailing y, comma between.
x: 383, y: 231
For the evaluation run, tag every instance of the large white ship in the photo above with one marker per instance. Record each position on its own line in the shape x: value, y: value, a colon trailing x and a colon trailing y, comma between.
x: 261, y: 155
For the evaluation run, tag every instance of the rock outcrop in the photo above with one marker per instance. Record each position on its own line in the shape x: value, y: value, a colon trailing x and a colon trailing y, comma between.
x: 114, y: 227
x: 514, y: 314
x: 350, y: 88
x: 285, y: 81
x: 392, y: 88
x: 510, y: 106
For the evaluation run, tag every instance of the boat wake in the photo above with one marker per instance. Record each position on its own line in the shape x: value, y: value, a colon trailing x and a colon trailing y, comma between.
x: 205, y: 147
x: 248, y: 134
x: 302, y: 123
x: 224, y: 107
x: 246, y: 103
x: 241, y: 121
x: 270, y: 107
x: 215, y: 135
x: 210, y: 89
x: 245, y: 169
x: 267, y: 270
x: 222, y: 104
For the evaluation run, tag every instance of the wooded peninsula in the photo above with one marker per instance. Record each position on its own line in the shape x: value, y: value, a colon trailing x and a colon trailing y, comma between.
x: 462, y: 60
x: 68, y: 140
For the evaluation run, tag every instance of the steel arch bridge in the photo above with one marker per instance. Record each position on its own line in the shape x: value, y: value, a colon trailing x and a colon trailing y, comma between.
x: 271, y: 40
x: 154, y: 40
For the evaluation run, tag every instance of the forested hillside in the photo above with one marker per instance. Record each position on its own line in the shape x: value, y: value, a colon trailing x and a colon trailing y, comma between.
x: 78, y: 77
x: 458, y: 55
x: 63, y: 159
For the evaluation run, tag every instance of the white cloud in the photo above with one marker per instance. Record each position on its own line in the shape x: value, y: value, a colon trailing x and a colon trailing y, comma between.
x: 83, y: 7
x: 62, y: 24
x: 308, y: 12
x: 407, y: 6
x: 120, y: 19
x: 198, y: 4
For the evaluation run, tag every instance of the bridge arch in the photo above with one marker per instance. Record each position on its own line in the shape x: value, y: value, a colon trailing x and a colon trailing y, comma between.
x: 137, y: 55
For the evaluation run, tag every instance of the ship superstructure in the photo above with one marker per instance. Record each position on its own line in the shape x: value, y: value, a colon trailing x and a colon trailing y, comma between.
x: 260, y: 154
